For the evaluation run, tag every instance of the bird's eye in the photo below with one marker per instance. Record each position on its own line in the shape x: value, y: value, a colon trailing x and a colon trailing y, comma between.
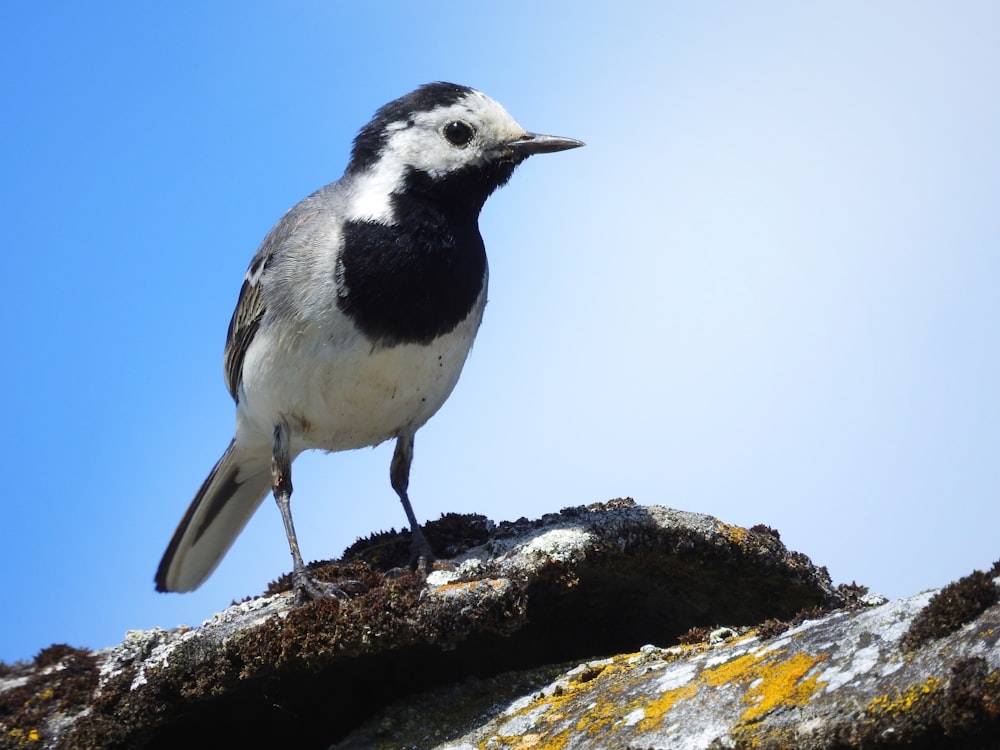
x: 458, y: 133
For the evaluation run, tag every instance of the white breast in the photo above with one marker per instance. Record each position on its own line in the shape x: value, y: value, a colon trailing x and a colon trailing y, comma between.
x: 343, y: 393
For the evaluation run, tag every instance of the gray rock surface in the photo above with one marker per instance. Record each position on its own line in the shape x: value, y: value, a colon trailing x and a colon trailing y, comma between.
x: 835, y: 682
x: 537, y: 634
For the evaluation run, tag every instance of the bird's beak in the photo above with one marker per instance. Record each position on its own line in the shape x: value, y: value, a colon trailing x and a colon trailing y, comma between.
x: 535, y: 143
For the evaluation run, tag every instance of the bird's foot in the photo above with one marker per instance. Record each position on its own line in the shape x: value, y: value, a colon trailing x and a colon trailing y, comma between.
x: 421, y: 554
x: 308, y: 589
x: 422, y: 557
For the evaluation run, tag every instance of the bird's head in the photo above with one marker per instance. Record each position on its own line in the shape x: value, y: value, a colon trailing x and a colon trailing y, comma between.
x: 440, y: 140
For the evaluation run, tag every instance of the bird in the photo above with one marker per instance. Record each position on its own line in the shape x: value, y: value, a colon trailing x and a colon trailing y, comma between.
x: 356, y: 315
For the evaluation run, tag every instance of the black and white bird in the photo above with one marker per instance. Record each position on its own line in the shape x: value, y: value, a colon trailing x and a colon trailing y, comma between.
x: 357, y: 314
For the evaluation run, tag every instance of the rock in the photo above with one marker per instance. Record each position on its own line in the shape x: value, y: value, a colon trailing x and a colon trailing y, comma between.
x: 538, y: 634
x: 836, y: 682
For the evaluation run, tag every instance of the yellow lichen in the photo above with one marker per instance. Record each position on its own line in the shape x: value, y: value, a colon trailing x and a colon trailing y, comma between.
x: 771, y: 681
x: 594, y: 705
x: 658, y: 708
x: 735, y: 534
x: 548, y: 734
x: 785, y: 684
x: 903, y: 701
x: 607, y: 708
x: 19, y: 736
x: 738, y: 669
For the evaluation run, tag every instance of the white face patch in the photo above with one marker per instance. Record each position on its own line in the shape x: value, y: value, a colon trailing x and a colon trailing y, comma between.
x: 421, y: 145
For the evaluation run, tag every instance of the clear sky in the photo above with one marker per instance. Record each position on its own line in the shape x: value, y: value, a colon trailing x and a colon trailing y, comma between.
x: 768, y: 289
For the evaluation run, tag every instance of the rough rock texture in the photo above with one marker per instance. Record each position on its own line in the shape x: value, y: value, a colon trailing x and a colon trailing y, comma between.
x: 486, y: 651
x: 837, y: 682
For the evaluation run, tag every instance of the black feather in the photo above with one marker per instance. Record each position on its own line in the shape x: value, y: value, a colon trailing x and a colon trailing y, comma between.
x: 372, y: 137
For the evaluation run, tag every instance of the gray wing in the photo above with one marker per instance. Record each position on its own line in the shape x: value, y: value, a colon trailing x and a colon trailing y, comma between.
x: 242, y: 328
x: 290, y: 232
x: 251, y: 306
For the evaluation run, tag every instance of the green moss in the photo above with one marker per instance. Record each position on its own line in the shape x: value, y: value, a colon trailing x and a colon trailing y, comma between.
x: 449, y: 536
x: 774, y: 627
x: 764, y: 529
x: 64, y: 681
x: 697, y: 634
x: 949, y: 609
x: 973, y: 697
x: 307, y: 675
x: 960, y: 711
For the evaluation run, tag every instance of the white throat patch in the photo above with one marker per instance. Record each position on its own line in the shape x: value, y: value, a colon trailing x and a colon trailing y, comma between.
x: 419, y: 144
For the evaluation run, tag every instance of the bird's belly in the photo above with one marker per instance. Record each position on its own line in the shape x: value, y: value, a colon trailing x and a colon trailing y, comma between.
x: 348, y: 395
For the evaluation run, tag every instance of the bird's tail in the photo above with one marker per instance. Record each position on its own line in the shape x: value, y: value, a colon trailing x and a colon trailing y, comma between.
x: 226, y: 501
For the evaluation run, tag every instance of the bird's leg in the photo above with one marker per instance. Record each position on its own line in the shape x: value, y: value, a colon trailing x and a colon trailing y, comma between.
x: 399, y: 475
x: 281, y: 483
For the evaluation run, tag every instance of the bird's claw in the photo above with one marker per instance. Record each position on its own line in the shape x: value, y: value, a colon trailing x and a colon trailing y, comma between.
x: 308, y: 589
x: 421, y: 554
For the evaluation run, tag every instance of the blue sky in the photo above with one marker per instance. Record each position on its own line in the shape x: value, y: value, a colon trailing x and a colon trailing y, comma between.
x: 767, y: 289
